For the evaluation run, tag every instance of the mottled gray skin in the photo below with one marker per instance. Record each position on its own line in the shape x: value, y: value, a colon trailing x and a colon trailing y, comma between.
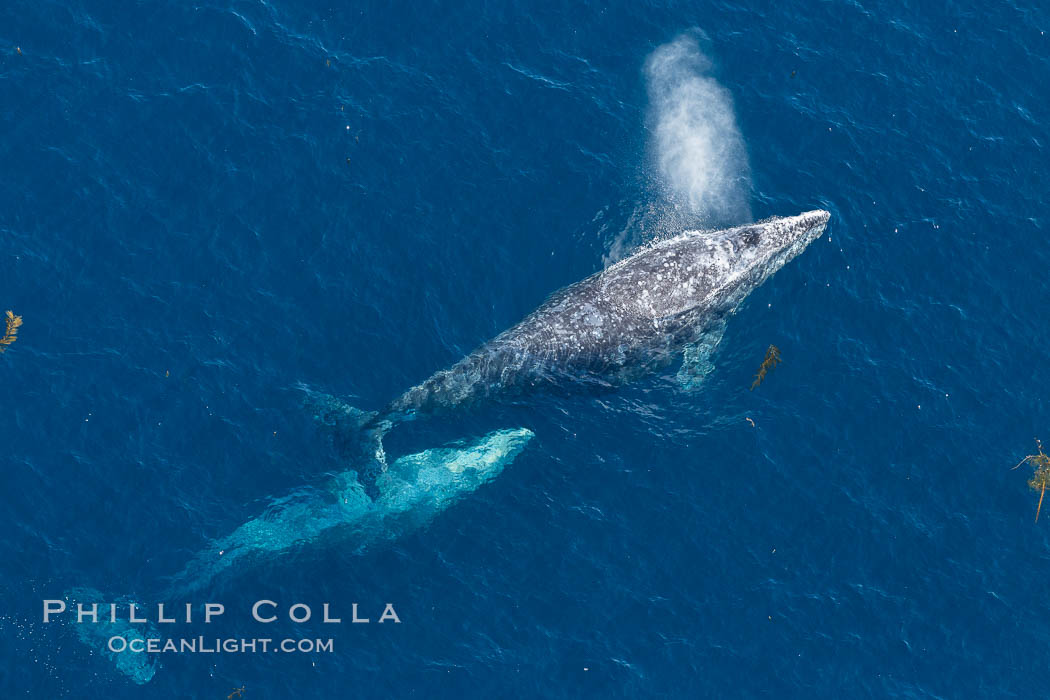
x: 623, y: 322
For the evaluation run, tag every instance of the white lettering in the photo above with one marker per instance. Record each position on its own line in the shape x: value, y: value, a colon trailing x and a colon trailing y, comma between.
x: 213, y: 610
x: 389, y: 614
x: 54, y: 607
x: 291, y: 613
x: 81, y: 615
x: 259, y: 604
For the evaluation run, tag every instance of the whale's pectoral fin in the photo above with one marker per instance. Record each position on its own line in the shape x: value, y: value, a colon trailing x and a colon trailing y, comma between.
x: 696, y: 358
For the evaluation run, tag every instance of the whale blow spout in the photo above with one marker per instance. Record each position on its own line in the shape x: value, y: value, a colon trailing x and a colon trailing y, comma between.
x: 701, y: 157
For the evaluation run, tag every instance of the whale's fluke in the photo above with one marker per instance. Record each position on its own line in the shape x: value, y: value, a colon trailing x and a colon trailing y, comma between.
x: 137, y: 666
x: 356, y: 435
x: 415, y: 489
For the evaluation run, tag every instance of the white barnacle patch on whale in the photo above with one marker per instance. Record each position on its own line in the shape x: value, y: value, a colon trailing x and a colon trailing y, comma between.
x: 591, y: 316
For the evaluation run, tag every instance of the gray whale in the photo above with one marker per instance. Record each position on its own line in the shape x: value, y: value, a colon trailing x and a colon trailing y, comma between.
x: 665, y: 301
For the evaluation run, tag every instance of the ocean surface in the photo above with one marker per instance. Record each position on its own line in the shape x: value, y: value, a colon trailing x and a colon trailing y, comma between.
x: 212, y: 210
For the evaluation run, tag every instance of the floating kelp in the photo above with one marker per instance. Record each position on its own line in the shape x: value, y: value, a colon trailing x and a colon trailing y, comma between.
x: 1041, y: 477
x: 771, y: 361
x: 11, y: 333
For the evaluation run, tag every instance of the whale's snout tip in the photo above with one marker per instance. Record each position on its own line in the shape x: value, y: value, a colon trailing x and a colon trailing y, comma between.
x: 817, y: 217
x: 812, y: 223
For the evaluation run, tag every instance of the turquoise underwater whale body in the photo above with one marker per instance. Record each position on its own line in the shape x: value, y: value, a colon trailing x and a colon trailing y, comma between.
x: 419, y: 486
x: 667, y: 301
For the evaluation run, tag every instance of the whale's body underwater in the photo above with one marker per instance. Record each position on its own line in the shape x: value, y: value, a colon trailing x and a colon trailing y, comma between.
x: 665, y: 301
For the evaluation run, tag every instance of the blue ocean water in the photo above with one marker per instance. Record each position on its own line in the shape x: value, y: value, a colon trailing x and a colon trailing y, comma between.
x: 206, y: 206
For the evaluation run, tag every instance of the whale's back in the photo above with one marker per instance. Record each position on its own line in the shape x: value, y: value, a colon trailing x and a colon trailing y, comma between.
x: 624, y: 321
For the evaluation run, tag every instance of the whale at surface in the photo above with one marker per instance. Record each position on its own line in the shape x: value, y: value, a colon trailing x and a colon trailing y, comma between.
x: 667, y: 301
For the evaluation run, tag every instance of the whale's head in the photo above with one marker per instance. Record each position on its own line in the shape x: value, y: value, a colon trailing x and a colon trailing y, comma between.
x: 759, y: 250
x: 711, y: 271
x: 755, y: 251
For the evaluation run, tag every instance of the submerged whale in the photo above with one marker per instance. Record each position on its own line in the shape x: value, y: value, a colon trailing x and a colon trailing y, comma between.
x: 414, y: 490
x: 666, y: 301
